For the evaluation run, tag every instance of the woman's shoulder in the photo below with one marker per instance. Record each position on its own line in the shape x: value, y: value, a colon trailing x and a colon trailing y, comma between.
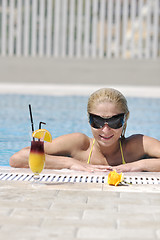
x: 133, y: 142
x: 139, y: 146
x: 78, y: 135
x: 78, y: 139
x: 137, y: 138
x: 142, y: 143
x: 68, y: 143
x: 134, y: 137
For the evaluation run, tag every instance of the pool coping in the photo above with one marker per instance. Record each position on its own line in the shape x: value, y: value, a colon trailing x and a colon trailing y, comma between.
x: 154, y: 188
x: 76, y: 89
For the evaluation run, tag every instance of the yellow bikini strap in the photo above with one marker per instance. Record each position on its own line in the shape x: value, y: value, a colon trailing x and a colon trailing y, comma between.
x: 123, y: 161
x: 91, y: 151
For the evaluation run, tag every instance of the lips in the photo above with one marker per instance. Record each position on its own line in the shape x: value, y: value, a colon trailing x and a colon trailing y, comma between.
x: 106, y: 137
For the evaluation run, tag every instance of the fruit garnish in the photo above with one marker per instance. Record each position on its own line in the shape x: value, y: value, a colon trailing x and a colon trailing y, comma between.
x: 115, y: 178
x: 42, y: 134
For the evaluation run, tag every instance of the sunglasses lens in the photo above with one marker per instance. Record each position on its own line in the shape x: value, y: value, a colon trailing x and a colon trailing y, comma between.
x: 114, y: 122
x: 96, y: 121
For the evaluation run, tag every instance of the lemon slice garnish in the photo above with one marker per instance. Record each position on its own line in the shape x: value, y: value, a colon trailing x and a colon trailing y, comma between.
x: 42, y: 134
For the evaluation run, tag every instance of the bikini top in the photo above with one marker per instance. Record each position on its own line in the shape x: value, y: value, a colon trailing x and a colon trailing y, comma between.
x: 120, y: 144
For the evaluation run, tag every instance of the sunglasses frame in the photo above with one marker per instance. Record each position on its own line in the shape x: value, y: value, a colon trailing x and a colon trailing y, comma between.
x: 121, y: 117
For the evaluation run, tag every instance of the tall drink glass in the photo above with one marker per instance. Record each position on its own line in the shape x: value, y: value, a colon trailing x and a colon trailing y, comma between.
x: 37, y: 158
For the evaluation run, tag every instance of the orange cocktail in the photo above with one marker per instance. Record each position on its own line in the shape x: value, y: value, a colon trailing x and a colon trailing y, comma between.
x: 37, y: 157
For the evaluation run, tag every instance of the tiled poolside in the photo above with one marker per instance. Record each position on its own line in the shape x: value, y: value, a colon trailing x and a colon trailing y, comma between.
x: 78, y: 210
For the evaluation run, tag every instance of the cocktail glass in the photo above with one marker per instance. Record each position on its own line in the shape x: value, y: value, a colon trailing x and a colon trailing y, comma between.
x: 37, y: 158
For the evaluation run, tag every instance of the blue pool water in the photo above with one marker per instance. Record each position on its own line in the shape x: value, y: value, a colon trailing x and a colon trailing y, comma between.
x: 64, y: 114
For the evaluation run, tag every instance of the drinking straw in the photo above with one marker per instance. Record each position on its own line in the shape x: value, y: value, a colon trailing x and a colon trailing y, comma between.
x: 41, y: 124
x: 32, y: 125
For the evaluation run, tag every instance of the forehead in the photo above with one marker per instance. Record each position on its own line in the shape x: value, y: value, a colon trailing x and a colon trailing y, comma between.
x: 106, y: 109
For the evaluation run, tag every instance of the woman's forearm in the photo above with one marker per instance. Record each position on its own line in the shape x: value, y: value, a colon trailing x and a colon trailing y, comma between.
x: 59, y: 162
x: 151, y: 165
x: 148, y: 165
x: 21, y: 160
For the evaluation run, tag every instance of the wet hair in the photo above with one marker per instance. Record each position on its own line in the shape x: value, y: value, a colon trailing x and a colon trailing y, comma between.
x: 109, y: 95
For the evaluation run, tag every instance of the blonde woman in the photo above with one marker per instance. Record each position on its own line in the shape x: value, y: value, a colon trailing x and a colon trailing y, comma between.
x: 108, y: 149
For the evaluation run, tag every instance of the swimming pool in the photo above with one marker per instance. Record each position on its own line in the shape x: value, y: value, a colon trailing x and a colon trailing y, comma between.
x: 64, y: 114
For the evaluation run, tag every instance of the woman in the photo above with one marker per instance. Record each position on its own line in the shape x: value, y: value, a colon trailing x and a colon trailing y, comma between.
x: 108, y: 149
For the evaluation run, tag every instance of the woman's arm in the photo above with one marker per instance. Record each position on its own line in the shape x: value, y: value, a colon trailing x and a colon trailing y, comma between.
x: 60, y: 162
x: 151, y: 148
x: 143, y: 165
x: 66, y: 145
x: 56, y: 154
x: 20, y: 160
x: 61, y: 146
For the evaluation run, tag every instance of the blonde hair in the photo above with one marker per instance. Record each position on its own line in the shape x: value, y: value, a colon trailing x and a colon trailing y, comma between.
x: 110, y: 95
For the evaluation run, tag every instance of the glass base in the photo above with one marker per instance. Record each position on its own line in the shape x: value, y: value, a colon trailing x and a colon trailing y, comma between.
x: 36, y: 177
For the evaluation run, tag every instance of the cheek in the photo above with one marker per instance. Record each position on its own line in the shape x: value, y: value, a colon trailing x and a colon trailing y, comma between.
x: 118, y: 132
x: 95, y: 132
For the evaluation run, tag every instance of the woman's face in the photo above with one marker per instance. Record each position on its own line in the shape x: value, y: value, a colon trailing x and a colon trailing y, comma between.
x: 106, y: 135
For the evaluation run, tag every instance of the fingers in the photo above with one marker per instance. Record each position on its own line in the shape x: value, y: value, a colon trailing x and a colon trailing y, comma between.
x: 121, y: 168
x: 91, y: 168
x: 102, y: 168
x: 96, y: 168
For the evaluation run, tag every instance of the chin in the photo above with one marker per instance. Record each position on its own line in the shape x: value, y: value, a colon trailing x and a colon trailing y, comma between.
x: 106, y: 142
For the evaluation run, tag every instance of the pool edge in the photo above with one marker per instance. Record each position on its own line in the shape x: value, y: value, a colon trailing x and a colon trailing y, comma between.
x: 78, y: 90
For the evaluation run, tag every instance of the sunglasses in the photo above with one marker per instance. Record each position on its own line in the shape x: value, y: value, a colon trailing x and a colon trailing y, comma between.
x: 114, y: 122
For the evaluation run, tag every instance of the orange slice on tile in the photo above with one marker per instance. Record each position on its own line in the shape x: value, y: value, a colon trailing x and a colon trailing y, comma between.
x: 115, y: 178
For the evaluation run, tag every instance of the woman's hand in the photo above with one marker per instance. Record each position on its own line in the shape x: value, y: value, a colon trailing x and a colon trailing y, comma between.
x: 130, y: 167
x: 79, y: 166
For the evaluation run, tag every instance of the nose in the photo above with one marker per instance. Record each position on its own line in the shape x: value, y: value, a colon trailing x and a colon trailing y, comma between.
x: 106, y: 127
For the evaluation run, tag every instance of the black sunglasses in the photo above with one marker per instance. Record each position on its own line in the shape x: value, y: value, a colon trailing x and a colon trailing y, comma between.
x: 114, y: 122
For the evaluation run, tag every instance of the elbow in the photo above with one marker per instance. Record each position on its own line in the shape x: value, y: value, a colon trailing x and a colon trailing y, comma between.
x: 20, y: 159
x: 13, y: 162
